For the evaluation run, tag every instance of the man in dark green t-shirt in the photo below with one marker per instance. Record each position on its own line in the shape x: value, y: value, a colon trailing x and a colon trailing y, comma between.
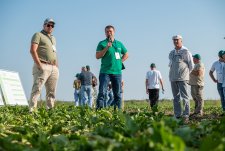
x: 112, y: 54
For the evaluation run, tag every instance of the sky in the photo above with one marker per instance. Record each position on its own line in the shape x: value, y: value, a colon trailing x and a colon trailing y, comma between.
x: 145, y: 27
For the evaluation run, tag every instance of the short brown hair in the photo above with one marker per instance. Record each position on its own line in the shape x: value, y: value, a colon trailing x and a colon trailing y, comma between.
x: 109, y: 26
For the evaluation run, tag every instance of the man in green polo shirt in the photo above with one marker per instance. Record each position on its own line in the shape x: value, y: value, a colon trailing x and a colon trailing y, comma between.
x: 112, y: 53
x: 45, y: 69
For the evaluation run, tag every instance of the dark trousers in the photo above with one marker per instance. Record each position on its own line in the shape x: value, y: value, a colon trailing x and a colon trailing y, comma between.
x: 153, y: 96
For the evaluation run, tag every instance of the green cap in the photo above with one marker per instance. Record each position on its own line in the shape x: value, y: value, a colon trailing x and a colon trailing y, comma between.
x: 197, y: 56
x: 87, y: 67
x: 152, y: 65
x: 77, y: 75
x: 220, y: 53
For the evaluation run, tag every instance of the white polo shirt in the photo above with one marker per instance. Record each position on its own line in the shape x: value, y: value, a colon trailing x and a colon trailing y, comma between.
x: 218, y: 66
x: 153, y: 77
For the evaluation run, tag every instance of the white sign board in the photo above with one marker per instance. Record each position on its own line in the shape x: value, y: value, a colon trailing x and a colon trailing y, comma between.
x: 1, y: 100
x: 12, y: 89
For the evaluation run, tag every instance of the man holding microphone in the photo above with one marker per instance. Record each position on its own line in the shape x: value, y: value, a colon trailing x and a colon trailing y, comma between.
x: 112, y: 54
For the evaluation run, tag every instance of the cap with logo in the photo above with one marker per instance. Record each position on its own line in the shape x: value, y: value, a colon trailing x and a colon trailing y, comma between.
x: 177, y: 37
x: 49, y: 20
x: 197, y: 56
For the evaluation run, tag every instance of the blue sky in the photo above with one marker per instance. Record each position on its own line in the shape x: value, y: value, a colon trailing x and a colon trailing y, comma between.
x: 145, y: 28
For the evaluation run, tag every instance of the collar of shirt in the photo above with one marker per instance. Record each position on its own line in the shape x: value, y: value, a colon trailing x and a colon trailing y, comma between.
x: 179, y: 50
x: 45, y: 33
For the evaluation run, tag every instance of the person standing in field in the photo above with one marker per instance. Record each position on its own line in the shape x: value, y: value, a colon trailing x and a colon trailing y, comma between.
x: 94, y: 90
x: 197, y: 84
x: 45, y: 68
x: 77, y: 86
x: 218, y: 67
x: 122, y: 95
x: 112, y: 54
x: 86, y: 78
x: 181, y: 64
x: 109, y: 97
x: 223, y: 56
x: 152, y: 84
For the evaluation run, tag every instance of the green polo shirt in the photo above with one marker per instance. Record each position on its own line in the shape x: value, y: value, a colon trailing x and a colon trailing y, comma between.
x: 45, y: 49
x: 109, y: 63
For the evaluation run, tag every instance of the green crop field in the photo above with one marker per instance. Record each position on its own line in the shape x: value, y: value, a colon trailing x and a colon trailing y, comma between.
x: 138, y: 128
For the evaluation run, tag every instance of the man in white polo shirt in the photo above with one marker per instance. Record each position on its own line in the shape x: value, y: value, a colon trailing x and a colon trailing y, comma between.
x: 153, y: 78
x: 218, y: 67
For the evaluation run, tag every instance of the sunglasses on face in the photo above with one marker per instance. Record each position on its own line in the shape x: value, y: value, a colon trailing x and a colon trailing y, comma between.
x: 48, y: 25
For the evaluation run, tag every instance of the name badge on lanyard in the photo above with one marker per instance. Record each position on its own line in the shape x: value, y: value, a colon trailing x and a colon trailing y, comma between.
x: 54, y: 48
x: 117, y: 55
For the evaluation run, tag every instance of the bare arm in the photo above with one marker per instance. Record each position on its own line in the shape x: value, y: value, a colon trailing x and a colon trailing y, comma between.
x: 161, y: 82
x: 33, y: 51
x: 125, y: 56
x: 212, y: 76
x: 146, y: 85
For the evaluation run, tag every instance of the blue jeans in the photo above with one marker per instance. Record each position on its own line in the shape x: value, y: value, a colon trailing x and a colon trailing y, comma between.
x: 109, y: 98
x: 88, y: 90
x: 180, y: 90
x: 103, y: 86
x: 77, y: 97
x: 221, y: 91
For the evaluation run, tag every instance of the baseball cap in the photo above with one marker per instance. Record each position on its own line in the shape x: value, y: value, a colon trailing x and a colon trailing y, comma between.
x: 197, y: 56
x: 49, y: 20
x: 87, y: 67
x: 177, y: 37
x: 152, y: 65
x: 77, y: 75
x: 220, y: 53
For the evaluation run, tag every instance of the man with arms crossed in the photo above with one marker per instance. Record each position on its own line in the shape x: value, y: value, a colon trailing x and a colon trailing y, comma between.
x: 197, y: 84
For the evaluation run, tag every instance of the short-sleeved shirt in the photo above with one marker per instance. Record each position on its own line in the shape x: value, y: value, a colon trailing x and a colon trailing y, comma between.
x: 46, y: 46
x: 86, y: 78
x: 218, y: 66
x: 153, y: 77
x: 197, y: 80
x: 223, y: 84
x: 109, y: 63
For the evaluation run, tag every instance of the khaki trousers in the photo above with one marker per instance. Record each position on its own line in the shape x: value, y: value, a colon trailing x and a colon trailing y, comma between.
x: 197, y: 95
x: 48, y: 77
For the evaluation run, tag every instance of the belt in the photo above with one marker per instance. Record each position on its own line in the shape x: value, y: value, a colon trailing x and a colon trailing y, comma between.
x: 48, y: 63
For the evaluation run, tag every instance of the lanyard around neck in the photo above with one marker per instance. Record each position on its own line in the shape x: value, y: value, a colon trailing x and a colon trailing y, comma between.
x: 50, y: 38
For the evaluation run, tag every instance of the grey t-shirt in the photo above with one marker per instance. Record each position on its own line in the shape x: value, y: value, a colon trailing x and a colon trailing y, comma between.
x: 86, y: 78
